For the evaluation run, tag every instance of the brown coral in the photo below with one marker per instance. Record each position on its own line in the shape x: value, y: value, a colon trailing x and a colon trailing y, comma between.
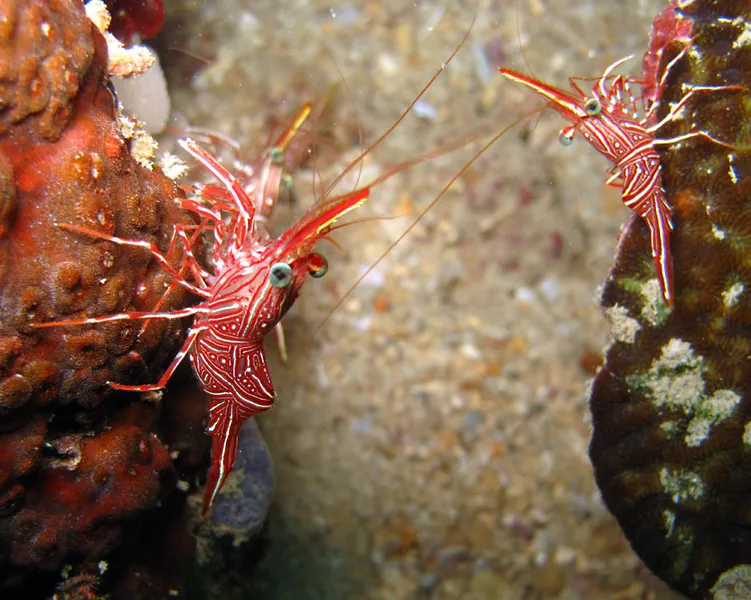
x: 80, y: 465
x: 672, y: 405
x: 44, y: 60
x: 85, y: 178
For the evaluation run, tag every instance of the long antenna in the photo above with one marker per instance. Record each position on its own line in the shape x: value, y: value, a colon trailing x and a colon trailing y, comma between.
x: 405, y: 113
x: 406, y: 232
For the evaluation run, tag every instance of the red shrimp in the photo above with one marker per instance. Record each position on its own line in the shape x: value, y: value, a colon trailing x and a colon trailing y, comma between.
x: 262, y: 181
x: 609, y: 120
x: 263, y: 178
x: 668, y: 27
x: 253, y: 282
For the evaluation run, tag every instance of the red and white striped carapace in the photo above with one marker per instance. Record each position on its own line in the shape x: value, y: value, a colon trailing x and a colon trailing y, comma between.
x: 610, y: 121
x: 671, y: 27
x: 260, y: 280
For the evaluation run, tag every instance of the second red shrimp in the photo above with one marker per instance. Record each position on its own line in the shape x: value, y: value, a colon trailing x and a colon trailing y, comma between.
x: 608, y: 118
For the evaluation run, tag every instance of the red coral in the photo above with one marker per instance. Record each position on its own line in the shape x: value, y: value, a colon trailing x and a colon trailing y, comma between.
x: 131, y: 18
x: 121, y: 472
x: 82, y: 469
x: 84, y: 176
x: 44, y: 61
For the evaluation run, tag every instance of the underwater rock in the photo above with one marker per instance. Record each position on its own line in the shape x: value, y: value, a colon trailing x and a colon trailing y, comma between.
x: 232, y: 541
x: 671, y: 407
x: 242, y: 507
x: 82, y: 468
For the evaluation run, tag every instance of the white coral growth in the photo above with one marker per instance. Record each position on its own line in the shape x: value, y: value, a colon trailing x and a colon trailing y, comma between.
x: 123, y: 62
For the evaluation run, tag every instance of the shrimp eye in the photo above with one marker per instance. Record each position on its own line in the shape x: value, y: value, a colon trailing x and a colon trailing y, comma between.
x: 593, y: 107
x: 280, y: 275
x: 566, y: 137
x: 317, y: 265
x: 276, y: 154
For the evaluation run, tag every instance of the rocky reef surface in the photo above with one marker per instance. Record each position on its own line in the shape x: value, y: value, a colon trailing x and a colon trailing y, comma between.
x: 94, y: 483
x: 672, y: 405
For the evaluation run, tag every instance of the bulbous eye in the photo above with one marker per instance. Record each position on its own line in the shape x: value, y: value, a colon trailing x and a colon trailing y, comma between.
x: 593, y: 107
x: 318, y: 266
x: 280, y: 275
x: 566, y: 137
x: 276, y: 155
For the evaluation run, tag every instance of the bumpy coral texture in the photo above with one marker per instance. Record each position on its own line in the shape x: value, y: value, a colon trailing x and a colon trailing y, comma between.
x: 44, y: 61
x: 81, y: 466
x: 672, y: 405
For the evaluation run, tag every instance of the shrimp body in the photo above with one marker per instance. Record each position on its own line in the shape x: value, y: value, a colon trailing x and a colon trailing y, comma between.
x: 612, y: 126
x: 610, y: 121
x: 228, y: 357
x: 257, y: 280
x: 254, y: 281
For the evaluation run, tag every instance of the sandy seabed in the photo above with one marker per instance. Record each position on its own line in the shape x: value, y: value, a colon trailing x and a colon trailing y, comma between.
x: 431, y: 439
